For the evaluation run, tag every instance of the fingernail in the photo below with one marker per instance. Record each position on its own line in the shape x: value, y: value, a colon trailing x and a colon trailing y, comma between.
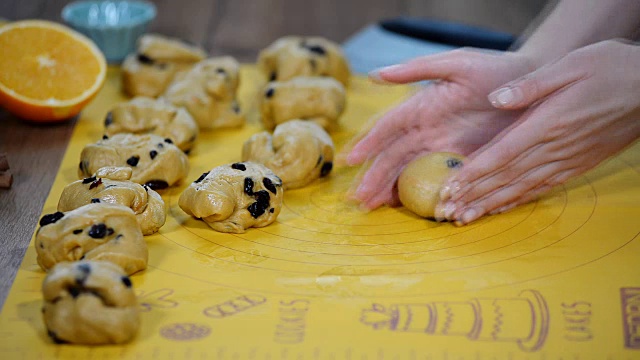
x: 506, y: 96
x: 449, y: 209
x: 445, y: 193
x: 448, y: 190
x: 438, y: 212
x: 360, y: 191
x: 351, y: 158
x: 364, y: 208
x: 469, y: 215
x: 375, y: 74
x: 375, y: 77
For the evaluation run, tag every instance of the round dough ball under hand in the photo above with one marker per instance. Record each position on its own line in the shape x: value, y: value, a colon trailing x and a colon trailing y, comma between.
x: 144, y: 115
x: 208, y: 92
x: 293, y: 56
x: 317, y: 99
x: 89, y: 303
x: 234, y: 197
x: 422, y: 179
x: 299, y: 152
x: 154, y: 161
x: 147, y: 204
x: 97, y: 231
x: 157, y: 61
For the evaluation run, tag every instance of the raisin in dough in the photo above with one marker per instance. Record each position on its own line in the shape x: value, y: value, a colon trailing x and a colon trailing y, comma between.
x: 157, y: 61
x: 293, y: 56
x: 421, y: 180
x: 234, y: 197
x: 154, y: 161
x: 144, y: 115
x: 92, y: 232
x: 146, y: 204
x: 321, y: 100
x: 208, y: 92
x: 299, y: 152
x: 90, y: 303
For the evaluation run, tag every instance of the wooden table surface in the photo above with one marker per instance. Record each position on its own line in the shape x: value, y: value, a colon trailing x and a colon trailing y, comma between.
x: 34, y: 153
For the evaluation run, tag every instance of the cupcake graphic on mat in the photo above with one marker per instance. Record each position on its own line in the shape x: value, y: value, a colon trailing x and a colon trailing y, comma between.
x: 523, y: 319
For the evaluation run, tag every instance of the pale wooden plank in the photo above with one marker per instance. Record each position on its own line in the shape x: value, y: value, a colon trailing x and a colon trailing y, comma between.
x: 187, y: 20
x: 52, y: 9
x: 34, y: 153
x: 510, y: 16
x: 17, y: 10
x: 246, y: 27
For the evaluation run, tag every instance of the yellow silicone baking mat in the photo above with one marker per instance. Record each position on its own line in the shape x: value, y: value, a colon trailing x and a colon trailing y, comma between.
x: 555, y: 279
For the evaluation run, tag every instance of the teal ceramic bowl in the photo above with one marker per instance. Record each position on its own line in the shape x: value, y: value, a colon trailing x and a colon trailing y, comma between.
x: 114, y: 26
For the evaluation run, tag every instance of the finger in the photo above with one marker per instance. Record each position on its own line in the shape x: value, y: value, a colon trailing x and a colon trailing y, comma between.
x: 530, y: 196
x: 534, y: 194
x: 536, y: 85
x: 372, y: 194
x: 342, y: 157
x: 431, y: 67
x: 490, y: 160
x: 389, y: 198
x: 386, y: 131
x: 453, y: 184
x: 377, y: 183
x: 520, y: 169
x: 519, y: 192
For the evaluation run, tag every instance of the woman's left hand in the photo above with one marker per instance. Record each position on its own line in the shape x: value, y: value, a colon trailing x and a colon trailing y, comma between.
x: 581, y: 110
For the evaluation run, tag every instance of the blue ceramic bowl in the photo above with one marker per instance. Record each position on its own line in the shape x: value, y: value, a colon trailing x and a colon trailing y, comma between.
x: 114, y: 26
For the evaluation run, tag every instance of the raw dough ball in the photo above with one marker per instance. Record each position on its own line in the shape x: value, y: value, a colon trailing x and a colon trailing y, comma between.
x: 144, y: 115
x: 421, y: 180
x: 154, y: 161
x: 92, y: 232
x: 157, y: 61
x: 298, y: 152
x: 293, y: 56
x: 90, y: 303
x: 321, y: 100
x: 147, y: 204
x: 234, y: 197
x: 208, y: 92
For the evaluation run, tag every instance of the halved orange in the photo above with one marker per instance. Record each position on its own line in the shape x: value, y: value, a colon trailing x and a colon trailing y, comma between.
x: 48, y: 72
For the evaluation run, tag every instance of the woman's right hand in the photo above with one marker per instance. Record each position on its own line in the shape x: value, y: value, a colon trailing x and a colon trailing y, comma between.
x: 451, y: 114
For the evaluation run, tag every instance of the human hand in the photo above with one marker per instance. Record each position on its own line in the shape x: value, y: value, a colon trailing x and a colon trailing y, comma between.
x: 450, y: 114
x: 583, y: 109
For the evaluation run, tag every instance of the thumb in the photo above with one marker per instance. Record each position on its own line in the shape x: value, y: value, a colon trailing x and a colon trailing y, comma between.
x: 535, y: 86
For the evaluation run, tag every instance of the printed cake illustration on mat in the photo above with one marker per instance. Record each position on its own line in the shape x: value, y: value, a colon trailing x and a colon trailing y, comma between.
x: 523, y: 319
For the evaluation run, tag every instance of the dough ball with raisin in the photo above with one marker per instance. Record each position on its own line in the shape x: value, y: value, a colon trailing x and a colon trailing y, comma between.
x: 321, y: 100
x: 299, y: 152
x: 208, y: 92
x: 421, y: 180
x: 89, y: 303
x: 96, y: 231
x: 232, y: 198
x: 144, y: 115
x: 154, y: 161
x: 157, y: 61
x: 293, y: 56
x: 146, y: 204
